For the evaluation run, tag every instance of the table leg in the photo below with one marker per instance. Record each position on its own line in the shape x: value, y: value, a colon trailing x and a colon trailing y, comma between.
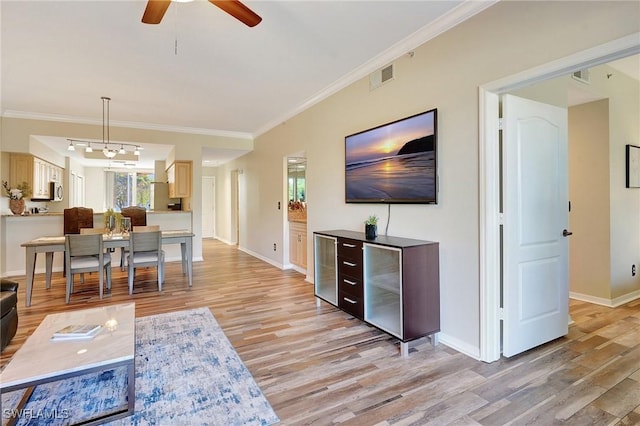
x: 183, y: 253
x: 190, y: 260
x: 49, y: 268
x: 131, y: 387
x: 13, y: 420
x: 30, y: 270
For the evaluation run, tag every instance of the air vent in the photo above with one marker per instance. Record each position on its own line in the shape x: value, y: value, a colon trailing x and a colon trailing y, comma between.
x: 582, y: 76
x: 380, y: 77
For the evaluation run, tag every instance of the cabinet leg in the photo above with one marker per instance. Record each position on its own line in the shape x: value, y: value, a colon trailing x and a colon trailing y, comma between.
x: 404, y: 349
x: 434, y: 339
x: 317, y: 302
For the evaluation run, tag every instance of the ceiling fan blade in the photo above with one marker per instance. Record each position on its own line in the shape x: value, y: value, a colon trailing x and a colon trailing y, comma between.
x: 155, y: 11
x: 238, y: 11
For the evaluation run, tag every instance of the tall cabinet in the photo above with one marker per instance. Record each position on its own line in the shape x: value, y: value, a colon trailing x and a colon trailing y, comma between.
x: 391, y: 283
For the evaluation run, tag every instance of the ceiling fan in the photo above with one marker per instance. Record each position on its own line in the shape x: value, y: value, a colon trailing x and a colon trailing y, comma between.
x: 156, y: 8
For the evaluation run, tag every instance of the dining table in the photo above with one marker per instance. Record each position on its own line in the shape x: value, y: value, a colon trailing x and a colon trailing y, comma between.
x: 50, y: 245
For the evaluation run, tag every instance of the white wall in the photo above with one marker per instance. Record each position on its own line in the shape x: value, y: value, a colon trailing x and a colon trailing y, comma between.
x: 444, y: 73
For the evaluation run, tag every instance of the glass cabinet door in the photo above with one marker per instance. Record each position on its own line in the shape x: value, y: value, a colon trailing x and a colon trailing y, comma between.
x: 383, y: 287
x: 326, y: 268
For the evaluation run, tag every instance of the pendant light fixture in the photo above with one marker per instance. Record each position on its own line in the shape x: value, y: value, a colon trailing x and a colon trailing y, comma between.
x: 109, y: 153
x: 110, y: 149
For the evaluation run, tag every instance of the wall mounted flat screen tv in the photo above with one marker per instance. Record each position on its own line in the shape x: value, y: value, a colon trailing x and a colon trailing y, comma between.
x: 394, y: 162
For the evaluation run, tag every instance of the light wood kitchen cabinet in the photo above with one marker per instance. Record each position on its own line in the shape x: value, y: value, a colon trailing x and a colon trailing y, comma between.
x: 179, y: 175
x: 298, y: 244
x: 21, y: 170
x: 36, y: 172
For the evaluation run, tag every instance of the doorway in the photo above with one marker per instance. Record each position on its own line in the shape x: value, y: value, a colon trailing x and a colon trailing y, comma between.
x: 235, y: 207
x: 297, y: 212
x: 489, y: 176
x: 208, y: 207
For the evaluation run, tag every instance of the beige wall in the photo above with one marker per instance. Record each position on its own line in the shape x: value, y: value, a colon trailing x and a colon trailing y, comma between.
x: 444, y: 73
x: 590, y: 246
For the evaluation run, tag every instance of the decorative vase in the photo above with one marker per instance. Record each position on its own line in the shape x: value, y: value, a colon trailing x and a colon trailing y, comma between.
x: 370, y: 231
x: 16, y: 206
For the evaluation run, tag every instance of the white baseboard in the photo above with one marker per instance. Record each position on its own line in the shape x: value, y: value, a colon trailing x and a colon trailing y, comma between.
x: 459, y: 345
x: 610, y: 303
x: 263, y: 258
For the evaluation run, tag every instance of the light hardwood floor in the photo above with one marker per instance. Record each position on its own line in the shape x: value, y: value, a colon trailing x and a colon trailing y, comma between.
x: 321, y: 366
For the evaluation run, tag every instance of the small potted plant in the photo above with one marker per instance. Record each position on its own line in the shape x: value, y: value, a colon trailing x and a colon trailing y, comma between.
x: 371, y: 227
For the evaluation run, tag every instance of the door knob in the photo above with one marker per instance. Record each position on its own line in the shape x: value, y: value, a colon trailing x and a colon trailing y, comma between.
x: 566, y: 233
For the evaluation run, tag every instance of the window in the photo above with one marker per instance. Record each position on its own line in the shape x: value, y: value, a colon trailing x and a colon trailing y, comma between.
x: 128, y: 189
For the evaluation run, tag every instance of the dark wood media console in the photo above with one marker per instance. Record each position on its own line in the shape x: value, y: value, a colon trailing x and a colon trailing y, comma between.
x: 391, y: 283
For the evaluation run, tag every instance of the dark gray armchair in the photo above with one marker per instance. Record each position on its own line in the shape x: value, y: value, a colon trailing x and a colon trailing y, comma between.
x: 9, y: 311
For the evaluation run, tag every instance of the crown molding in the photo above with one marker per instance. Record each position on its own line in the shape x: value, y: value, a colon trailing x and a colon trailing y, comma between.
x: 127, y: 124
x: 455, y: 16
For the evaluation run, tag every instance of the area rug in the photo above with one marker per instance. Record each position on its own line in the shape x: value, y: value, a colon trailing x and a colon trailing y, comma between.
x: 187, y: 373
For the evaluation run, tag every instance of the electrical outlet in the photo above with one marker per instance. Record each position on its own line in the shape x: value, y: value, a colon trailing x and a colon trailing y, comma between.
x: 275, y: 247
x: 633, y: 270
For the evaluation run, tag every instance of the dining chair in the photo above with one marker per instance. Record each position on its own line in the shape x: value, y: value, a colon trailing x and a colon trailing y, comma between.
x: 138, y: 217
x: 85, y: 253
x: 145, y: 249
x: 75, y: 219
x: 137, y: 214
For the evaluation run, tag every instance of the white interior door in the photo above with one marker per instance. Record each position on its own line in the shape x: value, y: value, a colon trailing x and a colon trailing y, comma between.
x: 535, y: 247
x: 208, y: 206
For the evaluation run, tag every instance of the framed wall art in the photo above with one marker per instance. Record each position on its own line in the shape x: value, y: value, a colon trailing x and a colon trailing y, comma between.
x: 633, y: 166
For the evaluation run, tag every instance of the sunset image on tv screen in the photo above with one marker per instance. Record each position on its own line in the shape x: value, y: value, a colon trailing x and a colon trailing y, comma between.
x: 393, y: 163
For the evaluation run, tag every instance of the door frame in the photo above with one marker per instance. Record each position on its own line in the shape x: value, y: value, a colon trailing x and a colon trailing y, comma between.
x: 489, y: 173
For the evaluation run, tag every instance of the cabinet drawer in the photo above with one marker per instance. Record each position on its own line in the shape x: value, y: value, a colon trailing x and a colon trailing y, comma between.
x: 350, y: 267
x: 350, y: 285
x: 350, y: 249
x: 351, y: 304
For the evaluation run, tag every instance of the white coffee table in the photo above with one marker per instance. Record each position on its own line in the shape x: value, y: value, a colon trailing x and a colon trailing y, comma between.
x: 41, y: 360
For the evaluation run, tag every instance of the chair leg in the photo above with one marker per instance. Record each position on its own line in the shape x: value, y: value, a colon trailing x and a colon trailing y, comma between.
x: 159, y: 270
x: 130, y: 276
x: 69, y: 285
x: 101, y: 282
x: 108, y: 268
x: 123, y: 259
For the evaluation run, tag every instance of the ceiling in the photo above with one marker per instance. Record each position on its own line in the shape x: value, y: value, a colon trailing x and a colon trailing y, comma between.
x: 200, y: 70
